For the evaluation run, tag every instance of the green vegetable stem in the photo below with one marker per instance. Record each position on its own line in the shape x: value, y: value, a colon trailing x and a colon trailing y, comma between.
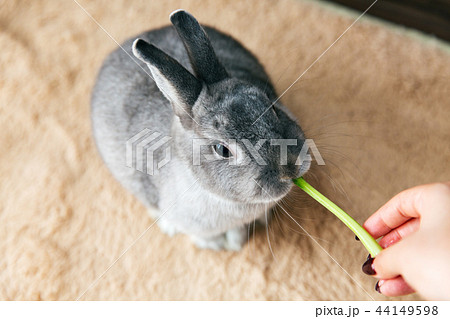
x: 371, y: 244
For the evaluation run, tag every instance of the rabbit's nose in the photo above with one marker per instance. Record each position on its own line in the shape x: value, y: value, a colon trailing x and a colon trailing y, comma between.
x: 289, y: 172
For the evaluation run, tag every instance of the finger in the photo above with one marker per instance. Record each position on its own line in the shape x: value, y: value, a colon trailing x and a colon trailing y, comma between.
x: 398, y: 233
x: 395, y: 212
x: 388, y: 263
x: 394, y: 287
x: 411, y: 203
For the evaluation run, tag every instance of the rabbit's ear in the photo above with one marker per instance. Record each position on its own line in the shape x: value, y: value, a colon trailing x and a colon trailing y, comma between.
x: 204, y: 61
x: 176, y: 83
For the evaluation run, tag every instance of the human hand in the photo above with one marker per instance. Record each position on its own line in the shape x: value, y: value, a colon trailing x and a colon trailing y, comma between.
x: 415, y: 226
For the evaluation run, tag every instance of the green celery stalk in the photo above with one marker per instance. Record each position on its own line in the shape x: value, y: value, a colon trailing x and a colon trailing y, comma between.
x: 368, y: 241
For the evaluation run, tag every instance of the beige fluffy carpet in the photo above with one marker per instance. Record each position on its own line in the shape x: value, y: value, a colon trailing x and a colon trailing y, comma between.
x: 377, y: 104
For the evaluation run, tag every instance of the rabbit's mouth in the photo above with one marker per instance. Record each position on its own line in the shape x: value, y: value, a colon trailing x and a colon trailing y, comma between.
x: 271, y: 189
x: 271, y: 195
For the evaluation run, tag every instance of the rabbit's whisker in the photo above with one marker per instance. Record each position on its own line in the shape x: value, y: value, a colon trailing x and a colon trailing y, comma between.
x: 267, y: 231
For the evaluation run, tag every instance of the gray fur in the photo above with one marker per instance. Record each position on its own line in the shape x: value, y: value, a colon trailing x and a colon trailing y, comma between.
x: 225, y: 92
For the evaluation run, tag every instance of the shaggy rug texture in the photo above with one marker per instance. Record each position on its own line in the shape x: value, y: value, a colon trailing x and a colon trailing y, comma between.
x: 377, y: 104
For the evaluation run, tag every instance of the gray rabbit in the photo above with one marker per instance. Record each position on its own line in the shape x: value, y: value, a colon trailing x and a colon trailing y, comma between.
x: 202, y: 86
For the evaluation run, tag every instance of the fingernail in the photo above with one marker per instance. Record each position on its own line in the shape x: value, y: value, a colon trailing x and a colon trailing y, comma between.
x: 367, y: 267
x: 377, y: 287
x: 356, y: 238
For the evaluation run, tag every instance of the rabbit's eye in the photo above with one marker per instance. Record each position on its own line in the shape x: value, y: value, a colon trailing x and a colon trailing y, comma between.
x: 222, y: 150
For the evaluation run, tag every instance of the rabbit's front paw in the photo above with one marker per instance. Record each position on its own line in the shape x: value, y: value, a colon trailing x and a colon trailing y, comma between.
x: 233, y: 239
x: 214, y: 243
x: 236, y: 238
x: 167, y: 227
